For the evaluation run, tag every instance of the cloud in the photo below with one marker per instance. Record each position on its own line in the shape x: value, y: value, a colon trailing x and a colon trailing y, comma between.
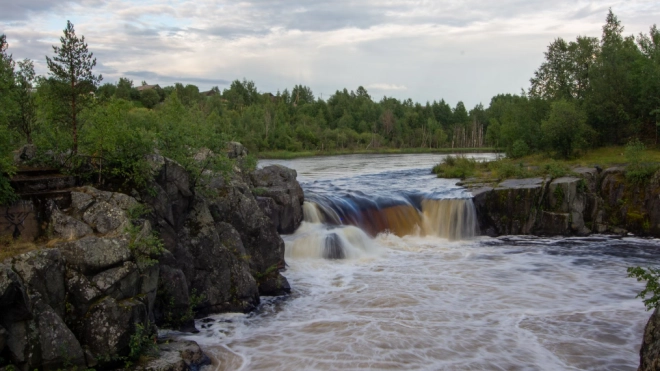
x: 386, y: 87
x: 155, y: 77
x: 457, y: 50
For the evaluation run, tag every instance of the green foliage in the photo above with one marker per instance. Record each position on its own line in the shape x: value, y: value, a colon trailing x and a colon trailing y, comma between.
x: 146, y: 247
x: 116, y: 146
x: 555, y: 169
x: 149, y: 98
x: 518, y: 149
x: 652, y: 289
x: 24, y: 122
x: 565, y: 131
x: 141, y: 342
x: 637, y: 171
x: 72, y: 80
x: 456, y: 167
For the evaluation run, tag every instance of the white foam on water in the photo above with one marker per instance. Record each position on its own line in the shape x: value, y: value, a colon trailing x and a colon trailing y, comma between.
x: 433, y: 304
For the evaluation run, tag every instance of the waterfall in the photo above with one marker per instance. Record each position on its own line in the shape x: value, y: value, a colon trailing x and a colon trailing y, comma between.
x: 451, y: 219
x: 338, y: 229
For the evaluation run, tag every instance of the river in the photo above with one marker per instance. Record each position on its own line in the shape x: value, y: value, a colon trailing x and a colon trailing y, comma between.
x: 416, y: 290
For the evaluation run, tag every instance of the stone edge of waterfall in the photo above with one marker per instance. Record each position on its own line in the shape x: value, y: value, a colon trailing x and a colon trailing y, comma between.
x: 592, y: 201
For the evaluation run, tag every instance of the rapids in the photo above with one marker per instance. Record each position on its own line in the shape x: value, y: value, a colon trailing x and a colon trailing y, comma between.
x: 387, y: 273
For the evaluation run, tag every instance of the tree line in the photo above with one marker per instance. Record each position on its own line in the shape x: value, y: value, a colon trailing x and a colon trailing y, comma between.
x: 588, y: 92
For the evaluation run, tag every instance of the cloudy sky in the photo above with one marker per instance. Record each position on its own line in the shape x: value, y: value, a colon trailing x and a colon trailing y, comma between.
x: 464, y: 50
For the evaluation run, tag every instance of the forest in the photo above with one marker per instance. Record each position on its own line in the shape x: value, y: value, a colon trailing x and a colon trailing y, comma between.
x: 587, y: 93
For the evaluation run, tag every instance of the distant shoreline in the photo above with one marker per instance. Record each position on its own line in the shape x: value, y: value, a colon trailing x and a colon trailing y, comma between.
x: 287, y: 155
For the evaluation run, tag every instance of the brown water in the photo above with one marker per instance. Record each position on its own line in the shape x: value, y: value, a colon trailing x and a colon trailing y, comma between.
x: 414, y: 291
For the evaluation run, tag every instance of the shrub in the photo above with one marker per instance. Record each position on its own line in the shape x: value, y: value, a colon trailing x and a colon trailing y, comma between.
x: 518, y: 149
x: 652, y: 289
x: 456, y: 167
x: 637, y: 171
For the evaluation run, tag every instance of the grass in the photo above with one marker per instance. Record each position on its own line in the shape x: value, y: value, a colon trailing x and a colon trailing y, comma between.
x: 10, y: 248
x: 288, y: 155
x: 537, y: 165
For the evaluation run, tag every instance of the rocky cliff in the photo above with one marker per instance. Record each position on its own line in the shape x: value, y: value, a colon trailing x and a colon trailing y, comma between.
x: 590, y: 201
x: 117, y: 265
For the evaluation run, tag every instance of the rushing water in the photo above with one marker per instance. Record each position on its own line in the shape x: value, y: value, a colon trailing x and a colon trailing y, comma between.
x: 382, y: 279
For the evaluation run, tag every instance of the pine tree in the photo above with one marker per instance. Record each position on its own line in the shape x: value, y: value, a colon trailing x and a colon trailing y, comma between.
x: 71, y: 72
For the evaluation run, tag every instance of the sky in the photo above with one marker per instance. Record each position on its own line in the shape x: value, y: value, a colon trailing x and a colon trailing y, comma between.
x: 454, y: 50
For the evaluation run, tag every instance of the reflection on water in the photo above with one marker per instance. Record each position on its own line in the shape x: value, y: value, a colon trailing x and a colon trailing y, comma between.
x: 422, y: 302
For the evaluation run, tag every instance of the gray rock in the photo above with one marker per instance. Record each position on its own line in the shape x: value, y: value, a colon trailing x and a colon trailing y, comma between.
x: 235, y: 205
x: 109, y: 324
x: 106, y: 218
x: 119, y: 283
x: 568, y: 195
x: 59, y: 347
x: 649, y: 354
x: 3, y: 338
x: 221, y: 275
x: 171, y: 194
x: 236, y: 150
x: 529, y: 183
x: 14, y: 302
x: 67, y: 227
x: 81, y: 201
x: 91, y: 255
x: 25, y: 153
x: 178, y: 356
x: 23, y: 343
x: 42, y: 271
x: 173, y: 299
x: 279, y: 183
x: 81, y: 293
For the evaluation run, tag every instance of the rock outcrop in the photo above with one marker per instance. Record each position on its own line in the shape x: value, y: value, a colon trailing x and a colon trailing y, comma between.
x: 588, y: 202
x: 279, y: 196
x: 649, y: 354
x: 83, y: 300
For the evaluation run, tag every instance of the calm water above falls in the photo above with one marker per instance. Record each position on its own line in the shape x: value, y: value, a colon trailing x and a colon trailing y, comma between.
x: 410, y: 295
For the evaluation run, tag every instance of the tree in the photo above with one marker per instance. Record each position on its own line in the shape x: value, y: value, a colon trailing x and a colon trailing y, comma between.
x: 565, y: 131
x: 24, y: 121
x: 7, y: 106
x: 6, y: 111
x: 149, y: 98
x: 124, y: 87
x: 71, y: 70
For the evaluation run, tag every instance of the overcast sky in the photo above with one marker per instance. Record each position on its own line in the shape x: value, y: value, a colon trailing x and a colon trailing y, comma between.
x: 425, y: 50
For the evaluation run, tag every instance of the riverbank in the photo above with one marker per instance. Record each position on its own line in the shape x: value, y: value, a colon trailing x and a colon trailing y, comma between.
x: 540, y: 165
x: 288, y: 155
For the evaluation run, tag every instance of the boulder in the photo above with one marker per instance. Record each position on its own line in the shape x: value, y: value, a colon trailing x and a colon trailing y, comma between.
x: 80, y: 201
x: 119, y: 283
x: 236, y: 150
x: 59, y: 347
x: 91, y: 255
x: 173, y: 300
x: 512, y: 207
x: 171, y: 195
x: 67, y: 227
x: 106, y: 218
x: 42, y: 272
x: 109, y: 324
x: 178, y: 356
x: 14, y: 301
x: 233, y: 203
x: 568, y: 195
x: 81, y: 294
x: 279, y: 183
x: 649, y: 353
x: 219, y: 274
